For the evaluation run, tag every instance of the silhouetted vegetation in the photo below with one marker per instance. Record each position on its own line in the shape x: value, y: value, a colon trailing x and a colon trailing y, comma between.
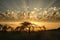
x: 8, y: 33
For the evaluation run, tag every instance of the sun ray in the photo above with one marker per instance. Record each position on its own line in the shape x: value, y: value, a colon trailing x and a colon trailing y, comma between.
x: 53, y: 1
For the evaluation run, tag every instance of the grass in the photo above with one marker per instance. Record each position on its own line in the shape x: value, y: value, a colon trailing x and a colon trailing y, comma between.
x: 41, y: 35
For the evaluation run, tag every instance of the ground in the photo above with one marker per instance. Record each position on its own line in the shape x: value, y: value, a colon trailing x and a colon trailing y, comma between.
x: 41, y: 35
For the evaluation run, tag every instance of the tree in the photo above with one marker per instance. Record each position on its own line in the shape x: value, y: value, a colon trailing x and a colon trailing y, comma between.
x: 24, y: 25
x: 17, y: 29
x: 9, y: 28
x: 1, y: 27
x: 4, y: 29
x: 44, y: 27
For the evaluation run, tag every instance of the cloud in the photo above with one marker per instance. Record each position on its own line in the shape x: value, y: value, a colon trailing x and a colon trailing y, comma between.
x: 13, y: 15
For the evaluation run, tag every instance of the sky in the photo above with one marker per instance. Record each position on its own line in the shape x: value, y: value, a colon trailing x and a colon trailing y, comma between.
x: 23, y: 4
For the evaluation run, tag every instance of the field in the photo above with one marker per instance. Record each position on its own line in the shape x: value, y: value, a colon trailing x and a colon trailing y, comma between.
x: 41, y: 35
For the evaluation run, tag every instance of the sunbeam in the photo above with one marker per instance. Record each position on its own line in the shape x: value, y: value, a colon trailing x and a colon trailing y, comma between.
x: 52, y: 2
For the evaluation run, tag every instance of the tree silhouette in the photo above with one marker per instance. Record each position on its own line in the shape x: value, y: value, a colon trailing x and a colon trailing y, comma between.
x: 9, y: 28
x: 31, y: 26
x: 44, y: 27
x: 25, y: 24
x: 17, y: 29
x: 1, y: 27
x: 4, y: 29
x: 58, y: 29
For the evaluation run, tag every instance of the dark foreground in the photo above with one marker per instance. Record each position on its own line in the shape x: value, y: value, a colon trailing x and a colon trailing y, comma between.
x: 41, y: 35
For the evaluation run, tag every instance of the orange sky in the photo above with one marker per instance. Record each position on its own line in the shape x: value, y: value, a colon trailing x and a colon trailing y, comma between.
x: 48, y: 25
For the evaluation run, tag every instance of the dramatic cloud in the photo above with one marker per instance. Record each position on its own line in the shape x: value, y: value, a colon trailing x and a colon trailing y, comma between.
x: 19, y: 10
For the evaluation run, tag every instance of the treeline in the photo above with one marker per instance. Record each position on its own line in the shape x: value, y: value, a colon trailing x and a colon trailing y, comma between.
x: 27, y: 25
